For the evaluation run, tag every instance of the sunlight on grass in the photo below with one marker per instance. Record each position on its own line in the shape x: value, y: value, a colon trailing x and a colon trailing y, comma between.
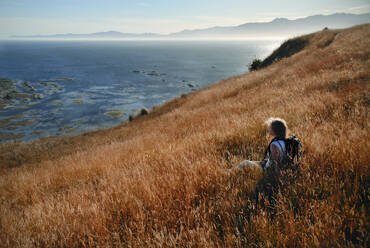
x: 161, y: 181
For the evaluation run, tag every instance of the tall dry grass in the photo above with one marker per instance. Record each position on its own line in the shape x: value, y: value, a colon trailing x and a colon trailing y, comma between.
x: 160, y: 181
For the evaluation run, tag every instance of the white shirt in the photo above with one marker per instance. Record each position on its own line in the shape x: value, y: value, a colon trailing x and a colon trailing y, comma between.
x: 280, y: 144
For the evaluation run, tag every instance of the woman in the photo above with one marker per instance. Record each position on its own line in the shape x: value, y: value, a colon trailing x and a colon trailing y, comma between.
x: 275, y: 152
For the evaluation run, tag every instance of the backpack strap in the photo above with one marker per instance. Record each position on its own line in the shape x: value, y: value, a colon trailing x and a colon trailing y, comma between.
x: 268, y: 150
x: 281, y: 148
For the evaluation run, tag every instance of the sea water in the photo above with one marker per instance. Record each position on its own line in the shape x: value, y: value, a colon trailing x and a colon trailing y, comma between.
x: 88, y: 85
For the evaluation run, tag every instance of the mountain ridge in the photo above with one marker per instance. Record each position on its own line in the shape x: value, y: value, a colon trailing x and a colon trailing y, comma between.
x: 277, y: 27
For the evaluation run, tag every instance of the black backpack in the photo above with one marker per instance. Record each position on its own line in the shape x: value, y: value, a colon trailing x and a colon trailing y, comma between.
x: 293, y: 151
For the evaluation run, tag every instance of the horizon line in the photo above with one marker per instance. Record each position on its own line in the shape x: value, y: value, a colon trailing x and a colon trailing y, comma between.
x: 45, y: 36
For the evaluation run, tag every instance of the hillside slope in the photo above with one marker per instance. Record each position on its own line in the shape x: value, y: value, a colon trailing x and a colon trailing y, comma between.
x: 160, y: 180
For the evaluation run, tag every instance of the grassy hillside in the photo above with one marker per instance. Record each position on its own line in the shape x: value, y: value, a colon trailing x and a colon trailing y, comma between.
x: 160, y: 180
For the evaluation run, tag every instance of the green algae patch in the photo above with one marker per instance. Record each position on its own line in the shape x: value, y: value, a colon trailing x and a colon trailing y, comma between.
x: 62, y: 129
x: 7, y: 91
x: 10, y: 95
x: 79, y: 96
x: 49, y: 84
x: 68, y: 129
x: 56, y: 103
x: 51, y: 87
x: 119, y: 110
x: 81, y: 120
x: 37, y: 132
x: 62, y: 79
x: 72, y: 130
x: 116, y: 113
x: 27, y: 85
x: 78, y: 101
x: 31, y: 103
x: 22, y: 123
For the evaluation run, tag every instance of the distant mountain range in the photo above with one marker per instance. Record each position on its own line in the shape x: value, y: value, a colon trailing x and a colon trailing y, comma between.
x: 279, y: 27
x: 99, y: 35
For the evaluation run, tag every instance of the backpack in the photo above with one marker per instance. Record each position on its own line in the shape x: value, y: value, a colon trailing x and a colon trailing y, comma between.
x: 293, y: 151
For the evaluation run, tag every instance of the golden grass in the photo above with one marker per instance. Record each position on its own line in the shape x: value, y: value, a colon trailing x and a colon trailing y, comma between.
x: 160, y: 180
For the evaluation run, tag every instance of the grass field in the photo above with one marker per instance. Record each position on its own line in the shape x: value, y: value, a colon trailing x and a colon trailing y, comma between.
x: 161, y: 179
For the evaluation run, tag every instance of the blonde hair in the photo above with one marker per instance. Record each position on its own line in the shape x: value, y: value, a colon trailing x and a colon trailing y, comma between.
x: 277, y: 125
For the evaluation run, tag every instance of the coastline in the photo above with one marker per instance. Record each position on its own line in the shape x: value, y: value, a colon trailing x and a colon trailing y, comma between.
x: 81, y: 138
x: 57, y: 140
x: 161, y: 180
x: 73, y: 98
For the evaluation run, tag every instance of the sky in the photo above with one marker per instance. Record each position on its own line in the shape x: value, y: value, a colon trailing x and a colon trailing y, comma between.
x: 28, y: 17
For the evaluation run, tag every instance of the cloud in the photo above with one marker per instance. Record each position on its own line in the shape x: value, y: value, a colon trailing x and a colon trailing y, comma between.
x: 171, y: 25
x: 215, y: 20
x: 362, y: 9
x: 30, y: 26
x: 151, y: 25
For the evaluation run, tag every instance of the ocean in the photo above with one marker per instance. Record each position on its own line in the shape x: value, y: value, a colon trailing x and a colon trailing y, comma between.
x: 70, y: 87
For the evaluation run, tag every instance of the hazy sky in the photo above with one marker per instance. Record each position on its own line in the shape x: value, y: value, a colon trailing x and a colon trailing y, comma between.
x: 159, y: 16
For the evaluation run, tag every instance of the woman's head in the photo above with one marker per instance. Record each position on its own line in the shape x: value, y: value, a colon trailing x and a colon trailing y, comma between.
x: 277, y: 127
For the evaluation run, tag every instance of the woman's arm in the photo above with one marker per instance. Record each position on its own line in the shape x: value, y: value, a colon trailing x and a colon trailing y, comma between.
x: 275, y: 154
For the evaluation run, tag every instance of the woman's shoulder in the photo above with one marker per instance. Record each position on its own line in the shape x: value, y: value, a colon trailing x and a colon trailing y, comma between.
x: 278, y: 144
